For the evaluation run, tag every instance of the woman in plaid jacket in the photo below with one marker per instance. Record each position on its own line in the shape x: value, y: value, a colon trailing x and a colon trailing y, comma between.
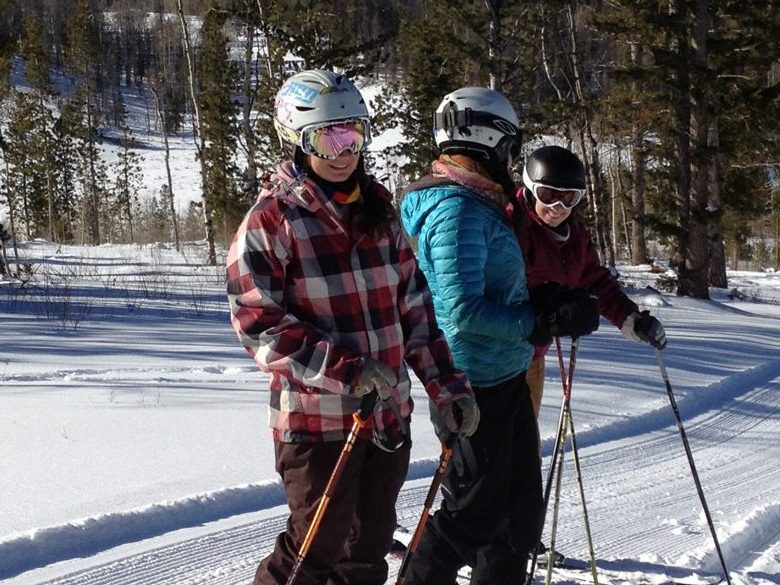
x: 326, y: 295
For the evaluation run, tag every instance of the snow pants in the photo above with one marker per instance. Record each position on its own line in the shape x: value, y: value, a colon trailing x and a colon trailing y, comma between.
x: 535, y: 379
x: 356, y: 531
x: 492, y: 506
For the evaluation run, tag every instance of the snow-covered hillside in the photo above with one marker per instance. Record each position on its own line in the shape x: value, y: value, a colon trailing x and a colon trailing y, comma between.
x: 132, y: 428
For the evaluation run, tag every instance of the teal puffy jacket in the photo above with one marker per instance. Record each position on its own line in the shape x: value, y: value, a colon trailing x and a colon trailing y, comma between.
x: 476, y: 273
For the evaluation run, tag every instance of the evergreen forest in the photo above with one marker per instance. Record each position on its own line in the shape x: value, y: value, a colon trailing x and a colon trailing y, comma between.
x: 673, y: 105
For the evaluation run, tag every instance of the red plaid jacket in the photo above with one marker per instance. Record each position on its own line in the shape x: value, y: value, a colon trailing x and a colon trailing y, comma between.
x: 311, y: 297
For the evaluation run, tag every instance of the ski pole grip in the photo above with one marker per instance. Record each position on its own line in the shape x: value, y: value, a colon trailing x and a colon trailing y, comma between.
x: 366, y: 406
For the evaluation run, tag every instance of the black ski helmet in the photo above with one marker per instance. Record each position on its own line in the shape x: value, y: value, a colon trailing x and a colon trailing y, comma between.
x: 556, y: 167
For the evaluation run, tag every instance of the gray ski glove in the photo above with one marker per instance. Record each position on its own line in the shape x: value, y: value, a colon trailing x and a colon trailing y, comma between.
x: 376, y: 375
x: 461, y: 415
x: 644, y: 327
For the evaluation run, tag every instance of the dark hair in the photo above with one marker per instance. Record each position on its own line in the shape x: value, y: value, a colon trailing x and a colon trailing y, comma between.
x: 378, y: 210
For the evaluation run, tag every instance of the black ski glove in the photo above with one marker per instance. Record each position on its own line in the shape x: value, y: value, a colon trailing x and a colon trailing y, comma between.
x: 562, y: 312
x: 644, y: 327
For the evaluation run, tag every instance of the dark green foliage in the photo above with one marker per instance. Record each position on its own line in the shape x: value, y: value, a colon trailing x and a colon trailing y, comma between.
x: 9, y: 25
x: 27, y: 155
x: 219, y: 126
x: 695, y: 135
x: 128, y: 179
x: 66, y: 157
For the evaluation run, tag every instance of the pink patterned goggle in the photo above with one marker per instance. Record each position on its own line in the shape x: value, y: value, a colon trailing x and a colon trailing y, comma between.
x: 329, y: 141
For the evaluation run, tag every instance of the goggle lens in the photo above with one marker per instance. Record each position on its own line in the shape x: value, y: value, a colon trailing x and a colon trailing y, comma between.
x: 329, y: 142
x: 552, y: 197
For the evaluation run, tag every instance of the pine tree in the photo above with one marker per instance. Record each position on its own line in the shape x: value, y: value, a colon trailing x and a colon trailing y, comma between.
x: 428, y: 76
x: 218, y: 83
x: 265, y: 15
x: 27, y: 154
x: 701, y: 79
x: 444, y: 46
x: 205, y: 206
x: 8, y: 42
x: 745, y: 137
x: 83, y: 52
x: 9, y: 25
x: 333, y: 36
x: 37, y: 61
x: 128, y: 180
x: 67, y: 129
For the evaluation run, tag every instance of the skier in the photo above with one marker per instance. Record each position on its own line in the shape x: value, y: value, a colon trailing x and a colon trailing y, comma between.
x: 326, y: 295
x: 491, y: 510
x: 558, y: 250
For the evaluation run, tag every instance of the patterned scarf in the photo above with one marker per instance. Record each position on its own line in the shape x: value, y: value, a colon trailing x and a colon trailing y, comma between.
x: 469, y: 173
x: 345, y: 198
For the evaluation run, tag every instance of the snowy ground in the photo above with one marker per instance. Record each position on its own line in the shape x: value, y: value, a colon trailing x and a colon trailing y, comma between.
x: 135, y: 450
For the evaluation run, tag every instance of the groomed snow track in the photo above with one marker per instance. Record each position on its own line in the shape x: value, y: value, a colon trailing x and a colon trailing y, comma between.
x: 639, y: 493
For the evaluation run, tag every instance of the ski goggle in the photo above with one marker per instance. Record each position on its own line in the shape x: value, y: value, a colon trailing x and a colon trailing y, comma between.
x: 555, y: 197
x: 329, y: 140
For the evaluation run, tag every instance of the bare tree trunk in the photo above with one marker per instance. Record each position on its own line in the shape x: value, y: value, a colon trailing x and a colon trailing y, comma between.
x: 494, y: 24
x: 93, y: 197
x: 26, y: 209
x: 11, y: 219
x: 546, y: 64
x: 699, y: 129
x: 267, y: 38
x: 717, y: 276
x: 682, y: 186
x: 49, y: 183
x: 777, y: 239
x: 251, y: 182
x: 638, y: 242
x: 4, y: 268
x: 199, y: 146
x: 591, y: 155
x: 626, y: 231
x: 614, y: 173
x: 638, y: 160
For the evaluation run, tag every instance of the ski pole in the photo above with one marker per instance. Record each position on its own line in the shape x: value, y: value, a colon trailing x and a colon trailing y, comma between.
x: 557, y: 501
x: 585, y: 517
x: 360, y: 417
x: 567, y: 385
x: 689, y: 454
x: 560, y: 434
x: 444, y: 461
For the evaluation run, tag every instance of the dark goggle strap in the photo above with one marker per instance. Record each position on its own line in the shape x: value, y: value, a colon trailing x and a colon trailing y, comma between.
x: 452, y: 118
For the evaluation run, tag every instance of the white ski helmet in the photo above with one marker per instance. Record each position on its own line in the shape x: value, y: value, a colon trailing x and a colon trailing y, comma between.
x: 313, y: 99
x: 480, y: 122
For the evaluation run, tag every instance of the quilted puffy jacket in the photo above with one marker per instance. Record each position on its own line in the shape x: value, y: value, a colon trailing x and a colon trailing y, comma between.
x: 476, y: 272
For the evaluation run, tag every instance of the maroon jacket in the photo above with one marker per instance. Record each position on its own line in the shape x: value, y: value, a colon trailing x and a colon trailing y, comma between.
x: 573, y: 263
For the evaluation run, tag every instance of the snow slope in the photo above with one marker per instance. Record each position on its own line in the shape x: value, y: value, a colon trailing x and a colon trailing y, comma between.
x: 134, y: 445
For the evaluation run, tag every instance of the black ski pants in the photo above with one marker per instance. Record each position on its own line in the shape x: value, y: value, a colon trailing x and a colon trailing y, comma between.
x: 490, y: 517
x: 356, y: 531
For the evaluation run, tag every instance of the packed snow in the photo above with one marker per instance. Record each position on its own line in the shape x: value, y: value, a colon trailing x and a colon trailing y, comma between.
x: 135, y: 447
